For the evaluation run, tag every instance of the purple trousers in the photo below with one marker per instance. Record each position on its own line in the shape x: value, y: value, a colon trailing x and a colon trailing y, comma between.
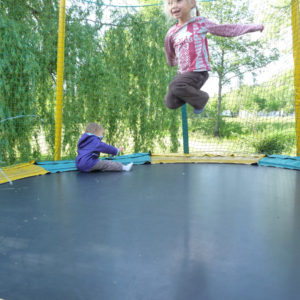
x: 185, y: 88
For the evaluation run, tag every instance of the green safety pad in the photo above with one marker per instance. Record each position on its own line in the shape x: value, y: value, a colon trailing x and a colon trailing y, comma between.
x: 58, y: 166
x: 137, y: 158
x: 281, y: 161
x: 70, y: 165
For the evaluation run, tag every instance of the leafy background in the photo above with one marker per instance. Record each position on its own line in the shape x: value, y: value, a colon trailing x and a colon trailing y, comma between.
x: 116, y: 74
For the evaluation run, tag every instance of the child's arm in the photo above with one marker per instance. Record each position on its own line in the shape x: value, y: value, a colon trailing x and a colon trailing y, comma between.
x: 108, y: 149
x: 170, y: 51
x: 231, y: 30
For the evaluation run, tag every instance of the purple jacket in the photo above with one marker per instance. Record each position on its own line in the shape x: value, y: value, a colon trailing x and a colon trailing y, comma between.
x: 89, y: 147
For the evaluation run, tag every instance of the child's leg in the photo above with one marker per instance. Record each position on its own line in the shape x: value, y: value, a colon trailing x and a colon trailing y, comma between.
x: 186, y: 88
x: 171, y: 101
x: 107, y: 165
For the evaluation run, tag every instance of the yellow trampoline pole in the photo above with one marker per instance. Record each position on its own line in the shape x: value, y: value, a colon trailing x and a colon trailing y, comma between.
x: 296, y: 47
x: 60, y: 78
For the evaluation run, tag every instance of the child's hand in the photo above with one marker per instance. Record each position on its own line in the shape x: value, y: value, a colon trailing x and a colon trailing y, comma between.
x: 121, y: 149
x: 262, y: 28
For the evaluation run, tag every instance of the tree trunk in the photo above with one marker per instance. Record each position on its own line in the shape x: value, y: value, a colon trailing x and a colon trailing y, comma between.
x: 221, y: 75
x: 217, y: 128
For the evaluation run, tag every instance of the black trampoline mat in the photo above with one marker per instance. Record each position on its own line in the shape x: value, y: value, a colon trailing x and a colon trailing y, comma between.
x: 182, y: 231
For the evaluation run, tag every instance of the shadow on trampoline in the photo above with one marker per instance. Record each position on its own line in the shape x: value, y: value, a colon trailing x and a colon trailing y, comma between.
x: 179, y: 231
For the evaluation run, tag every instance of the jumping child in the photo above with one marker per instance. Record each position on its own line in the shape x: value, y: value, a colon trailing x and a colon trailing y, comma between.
x: 186, y: 46
x: 90, y: 146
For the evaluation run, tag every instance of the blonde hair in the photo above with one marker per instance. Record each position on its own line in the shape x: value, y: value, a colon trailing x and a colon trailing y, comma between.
x: 93, y: 128
x: 166, y: 8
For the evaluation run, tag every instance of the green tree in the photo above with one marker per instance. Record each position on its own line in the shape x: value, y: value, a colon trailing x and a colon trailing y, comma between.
x: 28, y: 50
x: 26, y: 69
x: 115, y: 74
x: 275, y: 10
x: 233, y: 57
x: 135, y: 57
x: 276, y: 94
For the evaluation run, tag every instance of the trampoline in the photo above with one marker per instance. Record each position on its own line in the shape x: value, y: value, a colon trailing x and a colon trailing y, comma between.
x: 177, y: 231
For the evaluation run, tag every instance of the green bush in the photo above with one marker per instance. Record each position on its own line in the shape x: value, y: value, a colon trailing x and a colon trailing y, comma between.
x: 272, y: 144
x: 230, y: 128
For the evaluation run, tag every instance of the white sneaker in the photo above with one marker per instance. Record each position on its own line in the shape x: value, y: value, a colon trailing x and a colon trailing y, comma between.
x: 128, y: 167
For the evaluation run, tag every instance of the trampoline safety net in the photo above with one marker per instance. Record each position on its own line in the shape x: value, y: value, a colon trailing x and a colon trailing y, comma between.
x: 116, y: 74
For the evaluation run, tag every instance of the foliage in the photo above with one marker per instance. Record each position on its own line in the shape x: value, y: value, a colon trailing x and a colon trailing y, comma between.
x: 272, y: 144
x: 25, y: 82
x: 260, y: 135
x: 270, y: 10
x: 233, y: 57
x: 277, y: 94
x: 115, y: 75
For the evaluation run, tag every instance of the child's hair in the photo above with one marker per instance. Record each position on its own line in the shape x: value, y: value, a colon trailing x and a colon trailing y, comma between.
x: 166, y: 9
x: 93, y: 128
x: 197, y: 10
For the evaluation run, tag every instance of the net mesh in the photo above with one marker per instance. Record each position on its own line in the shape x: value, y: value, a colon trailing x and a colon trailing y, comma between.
x: 116, y: 74
x: 252, y: 105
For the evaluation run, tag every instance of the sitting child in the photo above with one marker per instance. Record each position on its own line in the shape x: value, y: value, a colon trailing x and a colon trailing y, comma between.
x: 90, y: 146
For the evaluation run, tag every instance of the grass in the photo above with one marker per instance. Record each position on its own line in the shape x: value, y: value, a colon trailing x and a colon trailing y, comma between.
x: 237, y: 135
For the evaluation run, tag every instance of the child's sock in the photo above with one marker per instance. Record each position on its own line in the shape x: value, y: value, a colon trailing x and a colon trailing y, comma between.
x: 198, y: 111
x: 127, y: 167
